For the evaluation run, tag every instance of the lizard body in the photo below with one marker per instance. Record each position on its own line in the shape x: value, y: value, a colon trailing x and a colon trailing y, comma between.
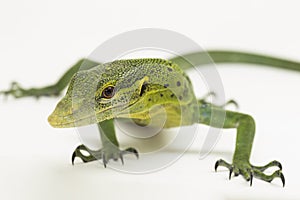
x: 129, y: 89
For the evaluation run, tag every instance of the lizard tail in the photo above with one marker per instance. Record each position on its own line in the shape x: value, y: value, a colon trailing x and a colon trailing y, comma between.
x: 207, y: 57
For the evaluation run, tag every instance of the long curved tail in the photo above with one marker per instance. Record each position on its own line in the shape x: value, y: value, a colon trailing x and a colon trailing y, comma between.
x: 208, y: 57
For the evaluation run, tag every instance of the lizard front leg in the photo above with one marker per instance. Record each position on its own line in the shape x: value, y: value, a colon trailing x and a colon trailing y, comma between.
x: 110, y: 146
x: 245, y: 125
x: 52, y: 90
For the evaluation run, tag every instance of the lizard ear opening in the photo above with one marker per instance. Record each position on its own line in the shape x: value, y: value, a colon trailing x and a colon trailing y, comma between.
x: 143, y: 88
x: 144, y: 85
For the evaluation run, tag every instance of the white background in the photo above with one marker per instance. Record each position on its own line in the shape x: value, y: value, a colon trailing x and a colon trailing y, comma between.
x: 39, y: 40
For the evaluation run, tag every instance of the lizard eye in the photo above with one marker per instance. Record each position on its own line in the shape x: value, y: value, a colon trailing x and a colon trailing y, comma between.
x: 108, y: 92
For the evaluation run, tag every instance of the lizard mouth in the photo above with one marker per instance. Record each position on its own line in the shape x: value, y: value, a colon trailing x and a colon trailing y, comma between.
x: 68, y: 121
x: 73, y: 118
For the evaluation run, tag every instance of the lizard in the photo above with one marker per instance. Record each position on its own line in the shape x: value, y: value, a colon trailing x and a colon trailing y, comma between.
x: 127, y: 89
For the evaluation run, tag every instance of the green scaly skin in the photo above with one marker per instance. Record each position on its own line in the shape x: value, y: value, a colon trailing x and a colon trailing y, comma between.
x: 143, y: 84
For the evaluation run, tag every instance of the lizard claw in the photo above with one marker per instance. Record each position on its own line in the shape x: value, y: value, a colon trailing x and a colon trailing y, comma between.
x: 131, y: 150
x: 230, y: 172
x: 251, y: 178
x: 78, y: 153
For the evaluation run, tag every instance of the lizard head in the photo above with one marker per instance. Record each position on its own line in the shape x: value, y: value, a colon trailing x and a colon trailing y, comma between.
x: 119, y: 89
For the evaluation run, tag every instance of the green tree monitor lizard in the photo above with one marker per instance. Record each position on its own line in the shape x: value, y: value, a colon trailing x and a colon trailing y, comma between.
x: 151, y: 81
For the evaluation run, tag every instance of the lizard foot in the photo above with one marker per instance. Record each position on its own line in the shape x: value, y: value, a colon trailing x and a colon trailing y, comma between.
x: 18, y: 92
x: 231, y: 102
x: 249, y: 171
x: 15, y: 90
x: 203, y: 100
x: 106, y: 153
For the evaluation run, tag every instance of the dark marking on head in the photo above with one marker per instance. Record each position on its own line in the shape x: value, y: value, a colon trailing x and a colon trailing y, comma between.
x: 180, y: 97
x: 170, y: 69
x: 172, y: 95
x: 166, y: 85
x: 178, y: 83
x: 161, y: 95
